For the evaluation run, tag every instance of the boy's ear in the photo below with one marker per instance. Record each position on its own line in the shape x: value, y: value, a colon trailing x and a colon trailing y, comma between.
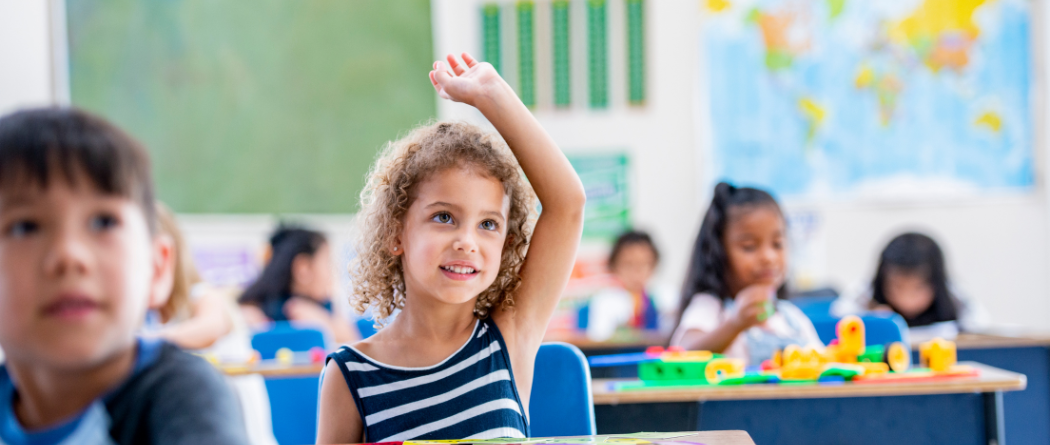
x: 163, y: 271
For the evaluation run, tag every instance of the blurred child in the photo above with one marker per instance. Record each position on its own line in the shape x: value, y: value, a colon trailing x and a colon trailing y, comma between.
x: 194, y: 317
x: 733, y: 299
x: 912, y: 280
x: 296, y: 285
x: 632, y: 261
x: 206, y: 320
x: 444, y: 227
x: 80, y: 262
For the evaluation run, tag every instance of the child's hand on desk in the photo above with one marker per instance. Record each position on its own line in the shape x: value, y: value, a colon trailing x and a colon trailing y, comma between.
x: 752, y: 306
x: 468, y: 82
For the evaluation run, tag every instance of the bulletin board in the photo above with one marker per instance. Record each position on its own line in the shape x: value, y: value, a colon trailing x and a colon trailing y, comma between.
x: 264, y: 106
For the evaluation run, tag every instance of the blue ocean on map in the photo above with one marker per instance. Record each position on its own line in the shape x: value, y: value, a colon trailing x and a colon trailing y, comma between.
x: 842, y: 98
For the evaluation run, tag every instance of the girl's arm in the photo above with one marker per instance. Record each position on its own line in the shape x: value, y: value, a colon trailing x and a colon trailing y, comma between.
x: 337, y: 418
x: 552, y: 249
x: 208, y: 323
x: 751, y: 310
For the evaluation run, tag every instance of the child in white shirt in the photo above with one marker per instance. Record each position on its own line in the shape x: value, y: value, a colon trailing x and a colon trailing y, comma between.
x: 733, y: 301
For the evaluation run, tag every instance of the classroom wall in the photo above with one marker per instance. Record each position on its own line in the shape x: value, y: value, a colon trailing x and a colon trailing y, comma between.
x: 997, y: 247
x: 25, y: 48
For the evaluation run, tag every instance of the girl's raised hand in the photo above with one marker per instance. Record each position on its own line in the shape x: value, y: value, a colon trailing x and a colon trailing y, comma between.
x: 464, y: 82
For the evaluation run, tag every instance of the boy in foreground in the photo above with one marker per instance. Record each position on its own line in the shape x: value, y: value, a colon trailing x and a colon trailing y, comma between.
x: 80, y: 263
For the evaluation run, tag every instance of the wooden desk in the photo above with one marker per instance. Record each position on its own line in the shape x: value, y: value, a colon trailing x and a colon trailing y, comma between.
x: 634, y: 341
x: 953, y: 411
x: 269, y: 370
x: 700, y: 437
x: 1026, y: 413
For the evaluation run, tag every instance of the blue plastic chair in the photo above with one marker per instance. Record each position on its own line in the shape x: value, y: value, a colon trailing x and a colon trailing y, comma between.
x: 879, y: 328
x: 293, y: 401
x: 561, y: 403
x: 815, y: 303
x: 283, y: 335
x: 366, y: 327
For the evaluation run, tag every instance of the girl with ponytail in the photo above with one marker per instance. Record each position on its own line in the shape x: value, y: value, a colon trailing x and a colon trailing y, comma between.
x: 733, y: 301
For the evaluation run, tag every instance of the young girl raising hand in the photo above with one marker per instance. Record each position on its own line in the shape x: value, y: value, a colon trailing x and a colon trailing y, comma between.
x: 444, y: 230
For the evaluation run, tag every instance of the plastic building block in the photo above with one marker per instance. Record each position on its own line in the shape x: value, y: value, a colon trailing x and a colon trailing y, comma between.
x: 937, y: 354
x: 723, y: 368
x: 850, y: 331
x: 898, y: 357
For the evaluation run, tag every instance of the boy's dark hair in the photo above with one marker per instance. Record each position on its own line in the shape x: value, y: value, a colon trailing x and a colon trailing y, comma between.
x: 915, y: 253
x: 37, y: 144
x: 708, y: 264
x: 274, y: 286
x: 631, y: 237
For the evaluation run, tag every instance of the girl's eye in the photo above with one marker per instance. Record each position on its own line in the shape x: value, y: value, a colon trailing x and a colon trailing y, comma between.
x: 443, y: 218
x: 489, y: 224
x: 103, y: 222
x: 22, y: 229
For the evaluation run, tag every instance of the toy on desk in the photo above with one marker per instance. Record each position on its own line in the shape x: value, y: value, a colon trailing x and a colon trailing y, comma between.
x: 847, y: 358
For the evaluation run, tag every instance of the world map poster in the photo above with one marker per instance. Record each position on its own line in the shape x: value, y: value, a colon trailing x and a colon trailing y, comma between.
x: 846, y: 98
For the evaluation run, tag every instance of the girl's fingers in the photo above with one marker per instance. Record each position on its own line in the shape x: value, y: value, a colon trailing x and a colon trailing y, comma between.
x: 441, y: 76
x: 433, y: 80
x: 455, y: 65
x: 470, y: 61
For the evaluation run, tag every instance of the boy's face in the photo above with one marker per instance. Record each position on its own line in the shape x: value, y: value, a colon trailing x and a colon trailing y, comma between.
x: 78, y: 269
x: 453, y: 237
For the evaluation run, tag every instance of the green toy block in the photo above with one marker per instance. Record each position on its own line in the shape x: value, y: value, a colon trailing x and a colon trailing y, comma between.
x: 663, y: 370
x: 873, y: 354
x: 845, y: 373
x: 749, y: 379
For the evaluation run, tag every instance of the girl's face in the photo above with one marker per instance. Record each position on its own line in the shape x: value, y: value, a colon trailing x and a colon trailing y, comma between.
x: 453, y: 236
x: 634, y: 266
x: 312, y: 274
x: 755, y: 249
x: 909, y: 293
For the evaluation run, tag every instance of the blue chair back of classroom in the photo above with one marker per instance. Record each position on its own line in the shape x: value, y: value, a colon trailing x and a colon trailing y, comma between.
x: 816, y: 302
x: 879, y: 328
x: 283, y: 335
x: 561, y: 403
x: 366, y: 327
x: 293, y: 400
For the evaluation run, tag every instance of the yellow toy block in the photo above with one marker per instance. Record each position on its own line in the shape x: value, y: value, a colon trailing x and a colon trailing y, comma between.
x: 937, y: 354
x: 898, y: 357
x: 850, y: 330
x: 723, y: 368
x: 874, y: 368
x: 801, y: 363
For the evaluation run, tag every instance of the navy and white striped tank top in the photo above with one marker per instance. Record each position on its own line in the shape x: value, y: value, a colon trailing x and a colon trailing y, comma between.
x: 470, y: 395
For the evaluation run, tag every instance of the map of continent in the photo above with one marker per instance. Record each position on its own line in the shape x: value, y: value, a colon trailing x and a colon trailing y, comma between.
x: 847, y: 98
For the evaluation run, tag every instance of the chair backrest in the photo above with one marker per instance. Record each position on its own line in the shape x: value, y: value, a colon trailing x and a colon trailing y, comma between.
x: 293, y: 401
x: 366, y: 327
x: 879, y: 328
x: 815, y: 302
x: 561, y: 403
x: 283, y: 335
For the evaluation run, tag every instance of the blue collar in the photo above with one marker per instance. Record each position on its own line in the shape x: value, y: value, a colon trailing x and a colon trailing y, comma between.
x: 12, y: 432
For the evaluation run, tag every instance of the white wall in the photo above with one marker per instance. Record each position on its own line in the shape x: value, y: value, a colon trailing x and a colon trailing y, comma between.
x: 25, y: 54
x: 997, y: 247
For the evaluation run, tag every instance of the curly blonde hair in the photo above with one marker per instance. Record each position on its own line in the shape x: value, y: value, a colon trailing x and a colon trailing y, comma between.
x: 377, y: 274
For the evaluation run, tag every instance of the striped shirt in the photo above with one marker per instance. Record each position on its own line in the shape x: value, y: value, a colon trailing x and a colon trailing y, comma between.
x: 469, y: 395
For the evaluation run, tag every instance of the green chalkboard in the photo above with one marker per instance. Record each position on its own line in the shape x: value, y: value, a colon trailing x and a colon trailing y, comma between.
x: 261, y: 106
